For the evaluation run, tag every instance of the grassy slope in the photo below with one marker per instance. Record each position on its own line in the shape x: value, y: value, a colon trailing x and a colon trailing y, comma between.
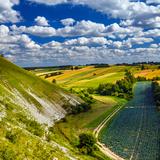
x: 18, y: 129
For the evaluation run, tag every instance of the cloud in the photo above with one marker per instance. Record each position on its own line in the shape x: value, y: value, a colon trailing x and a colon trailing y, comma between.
x: 49, y: 2
x: 83, y: 41
x: 4, y: 30
x: 154, y: 45
x: 7, y: 13
x: 21, y: 49
x: 146, y: 22
x: 67, y: 21
x: 41, y: 21
x: 40, y: 31
x: 80, y: 28
x: 153, y: 1
x: 123, y: 9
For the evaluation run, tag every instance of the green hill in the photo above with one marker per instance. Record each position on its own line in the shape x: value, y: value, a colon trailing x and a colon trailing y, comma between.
x: 29, y: 106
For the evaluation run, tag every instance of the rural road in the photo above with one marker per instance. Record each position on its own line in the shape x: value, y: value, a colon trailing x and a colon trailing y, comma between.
x: 100, y: 145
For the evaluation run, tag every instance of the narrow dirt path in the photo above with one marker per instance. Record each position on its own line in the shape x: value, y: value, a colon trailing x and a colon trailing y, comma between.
x: 100, y: 145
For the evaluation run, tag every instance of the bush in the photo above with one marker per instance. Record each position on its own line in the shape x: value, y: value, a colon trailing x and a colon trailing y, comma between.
x: 86, y: 143
x: 12, y: 137
x: 84, y: 107
x: 54, y: 81
x: 6, y: 153
x: 141, y: 78
x: 86, y: 96
x: 35, y: 128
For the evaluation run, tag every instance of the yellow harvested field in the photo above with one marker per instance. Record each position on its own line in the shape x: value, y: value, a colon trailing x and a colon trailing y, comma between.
x: 149, y: 73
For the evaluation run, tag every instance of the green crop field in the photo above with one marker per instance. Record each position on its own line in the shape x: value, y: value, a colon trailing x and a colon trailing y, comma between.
x: 134, y: 132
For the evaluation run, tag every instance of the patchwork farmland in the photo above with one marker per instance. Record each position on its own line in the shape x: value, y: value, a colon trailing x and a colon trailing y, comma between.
x: 90, y: 76
x: 135, y: 132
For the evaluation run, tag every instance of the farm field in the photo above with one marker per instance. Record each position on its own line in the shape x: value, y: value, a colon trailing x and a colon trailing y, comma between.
x: 134, y: 132
x: 148, y: 73
x: 89, y: 76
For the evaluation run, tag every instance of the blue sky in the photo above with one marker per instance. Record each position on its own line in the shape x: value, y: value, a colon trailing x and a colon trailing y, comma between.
x: 62, y: 32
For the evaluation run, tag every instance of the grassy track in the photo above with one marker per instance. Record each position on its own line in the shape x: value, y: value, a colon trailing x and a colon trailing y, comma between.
x: 134, y: 133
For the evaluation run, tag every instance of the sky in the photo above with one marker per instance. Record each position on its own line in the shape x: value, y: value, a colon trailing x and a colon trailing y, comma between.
x: 75, y: 32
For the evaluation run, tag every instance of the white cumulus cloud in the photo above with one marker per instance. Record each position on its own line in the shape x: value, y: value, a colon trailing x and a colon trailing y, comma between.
x: 67, y: 21
x: 41, y: 21
x: 7, y: 13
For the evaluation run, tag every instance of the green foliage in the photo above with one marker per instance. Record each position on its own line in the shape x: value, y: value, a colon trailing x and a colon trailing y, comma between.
x: 31, y: 125
x: 54, y: 81
x: 156, y: 93
x: 86, y: 143
x: 90, y: 90
x: 6, y: 153
x: 84, y: 107
x: 122, y: 88
x: 35, y: 128
x: 139, y: 78
x: 142, y: 67
x: 12, y: 137
x: 86, y: 96
x: 156, y: 78
x: 101, y: 65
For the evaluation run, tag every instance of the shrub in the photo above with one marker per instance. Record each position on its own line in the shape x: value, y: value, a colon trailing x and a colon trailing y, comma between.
x: 84, y: 107
x: 86, y: 96
x: 6, y: 153
x: 156, y: 94
x: 86, y: 143
x: 35, y: 128
x: 12, y: 137
x: 54, y: 81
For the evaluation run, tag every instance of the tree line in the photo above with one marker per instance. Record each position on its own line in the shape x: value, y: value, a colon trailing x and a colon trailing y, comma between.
x: 122, y: 88
x: 156, y: 93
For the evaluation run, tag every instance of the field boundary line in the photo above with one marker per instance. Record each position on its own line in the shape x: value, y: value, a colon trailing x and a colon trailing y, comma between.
x: 100, y: 145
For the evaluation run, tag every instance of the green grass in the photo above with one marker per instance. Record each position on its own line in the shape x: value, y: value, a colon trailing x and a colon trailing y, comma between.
x: 98, y: 120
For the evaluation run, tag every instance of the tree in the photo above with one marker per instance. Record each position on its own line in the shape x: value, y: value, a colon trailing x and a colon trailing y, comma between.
x: 142, y: 67
x: 54, y: 81
x: 1, y: 55
x: 86, y: 143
